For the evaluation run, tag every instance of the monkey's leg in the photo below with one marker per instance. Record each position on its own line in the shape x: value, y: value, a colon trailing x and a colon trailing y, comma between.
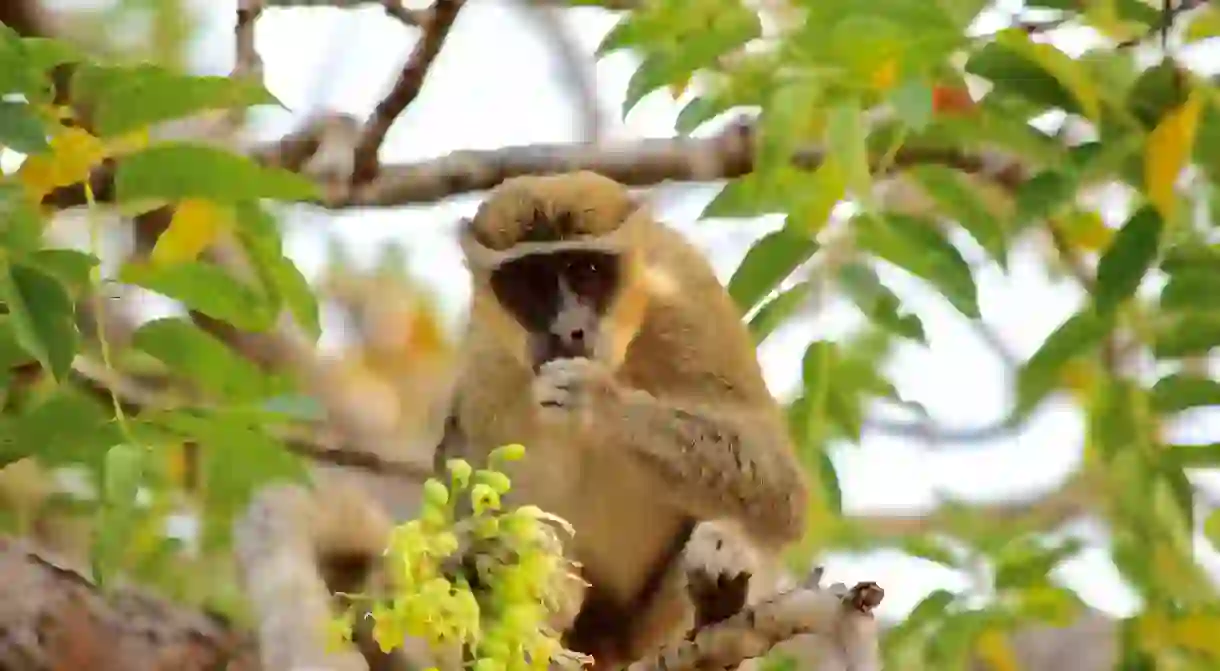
x: 288, y: 533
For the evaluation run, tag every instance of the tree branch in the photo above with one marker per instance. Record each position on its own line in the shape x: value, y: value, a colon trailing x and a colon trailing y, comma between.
x: 435, y: 26
x: 52, y: 617
x: 843, y: 617
x: 640, y: 163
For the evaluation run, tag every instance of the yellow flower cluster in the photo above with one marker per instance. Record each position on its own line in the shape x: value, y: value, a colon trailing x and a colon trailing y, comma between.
x: 502, y: 622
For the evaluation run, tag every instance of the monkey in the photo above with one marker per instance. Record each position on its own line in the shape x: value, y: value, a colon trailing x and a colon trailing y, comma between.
x: 602, y: 341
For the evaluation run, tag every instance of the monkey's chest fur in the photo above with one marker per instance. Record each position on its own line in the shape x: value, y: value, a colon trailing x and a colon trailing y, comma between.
x: 627, y: 538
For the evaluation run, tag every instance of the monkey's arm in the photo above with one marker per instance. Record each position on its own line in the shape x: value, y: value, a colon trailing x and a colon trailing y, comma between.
x: 719, y: 460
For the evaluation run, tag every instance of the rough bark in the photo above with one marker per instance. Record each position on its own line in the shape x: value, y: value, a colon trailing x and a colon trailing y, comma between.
x: 53, y: 618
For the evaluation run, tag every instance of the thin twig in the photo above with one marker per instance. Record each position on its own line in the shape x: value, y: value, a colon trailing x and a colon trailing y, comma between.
x: 435, y: 28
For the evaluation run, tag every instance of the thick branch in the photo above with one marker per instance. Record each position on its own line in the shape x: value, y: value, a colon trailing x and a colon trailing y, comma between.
x: 646, y: 162
x: 54, y: 618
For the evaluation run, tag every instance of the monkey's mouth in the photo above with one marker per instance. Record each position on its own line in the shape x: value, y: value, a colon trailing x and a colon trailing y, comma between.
x: 549, y: 347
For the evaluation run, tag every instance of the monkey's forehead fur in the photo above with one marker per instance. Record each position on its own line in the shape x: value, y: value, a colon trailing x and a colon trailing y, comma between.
x: 549, y: 208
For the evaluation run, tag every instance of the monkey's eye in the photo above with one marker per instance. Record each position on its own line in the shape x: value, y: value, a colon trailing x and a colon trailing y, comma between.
x: 592, y: 275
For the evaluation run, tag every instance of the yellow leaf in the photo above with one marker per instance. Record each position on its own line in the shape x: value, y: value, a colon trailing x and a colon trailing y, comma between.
x: 1079, y: 377
x: 885, y: 75
x: 128, y: 143
x: 1086, y: 231
x: 196, y: 224
x: 1167, y: 151
x: 73, y: 153
x: 1199, y: 633
x: 995, y: 651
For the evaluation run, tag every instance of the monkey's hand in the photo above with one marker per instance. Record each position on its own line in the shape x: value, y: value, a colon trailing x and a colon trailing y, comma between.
x: 572, y: 391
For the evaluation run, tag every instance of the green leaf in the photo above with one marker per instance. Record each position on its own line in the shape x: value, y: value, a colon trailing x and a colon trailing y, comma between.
x: 1027, y: 564
x: 1131, y: 253
x: 1211, y: 528
x: 205, y: 360
x: 829, y: 479
x: 1182, y: 391
x: 23, y: 227
x: 70, y: 267
x: 66, y: 428
x: 1194, y: 456
x: 1037, y: 71
x: 206, y: 288
x: 875, y: 300
x: 961, y: 202
x: 917, y: 246
x: 1157, y: 91
x: 20, y: 129
x: 132, y: 97
x: 122, y: 473
x: 912, y: 101
x: 747, y: 196
x: 1204, y: 25
x: 698, y: 111
x: 1043, y: 195
x: 280, y: 277
x: 1041, y: 373
x: 1191, y: 289
x: 179, y: 170
x: 776, y: 311
x: 767, y: 263
x: 654, y: 72
x: 237, y: 458
x: 42, y: 315
x: 847, y: 143
x: 1186, y: 334
x: 927, y: 547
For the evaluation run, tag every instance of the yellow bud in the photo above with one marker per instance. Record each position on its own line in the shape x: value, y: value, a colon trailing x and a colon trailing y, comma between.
x: 460, y: 469
x: 494, y: 479
x: 435, y: 493
x: 510, y: 452
x: 484, y: 498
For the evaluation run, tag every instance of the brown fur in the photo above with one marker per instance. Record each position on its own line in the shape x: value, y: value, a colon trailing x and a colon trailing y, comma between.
x: 678, y: 337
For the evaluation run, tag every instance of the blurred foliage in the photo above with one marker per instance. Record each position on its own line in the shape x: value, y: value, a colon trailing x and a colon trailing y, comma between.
x: 895, y: 90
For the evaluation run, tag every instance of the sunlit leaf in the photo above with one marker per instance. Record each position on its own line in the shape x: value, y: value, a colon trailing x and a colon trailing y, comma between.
x: 1167, y: 151
x: 205, y: 288
x: 178, y: 171
x: 205, y: 360
x: 767, y: 264
x: 129, y: 97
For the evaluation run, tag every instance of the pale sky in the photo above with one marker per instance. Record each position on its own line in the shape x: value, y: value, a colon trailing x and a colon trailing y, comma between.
x: 496, y: 84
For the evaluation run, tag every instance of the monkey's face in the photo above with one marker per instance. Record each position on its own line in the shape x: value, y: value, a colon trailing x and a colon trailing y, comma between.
x: 553, y: 263
x: 561, y: 299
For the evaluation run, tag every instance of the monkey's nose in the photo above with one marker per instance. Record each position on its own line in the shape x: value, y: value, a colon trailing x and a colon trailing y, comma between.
x: 577, y: 336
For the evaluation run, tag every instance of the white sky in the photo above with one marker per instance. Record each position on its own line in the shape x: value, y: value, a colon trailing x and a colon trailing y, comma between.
x: 496, y: 84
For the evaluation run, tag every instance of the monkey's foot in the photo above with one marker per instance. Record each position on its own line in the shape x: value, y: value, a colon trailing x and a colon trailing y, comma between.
x: 718, y: 566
